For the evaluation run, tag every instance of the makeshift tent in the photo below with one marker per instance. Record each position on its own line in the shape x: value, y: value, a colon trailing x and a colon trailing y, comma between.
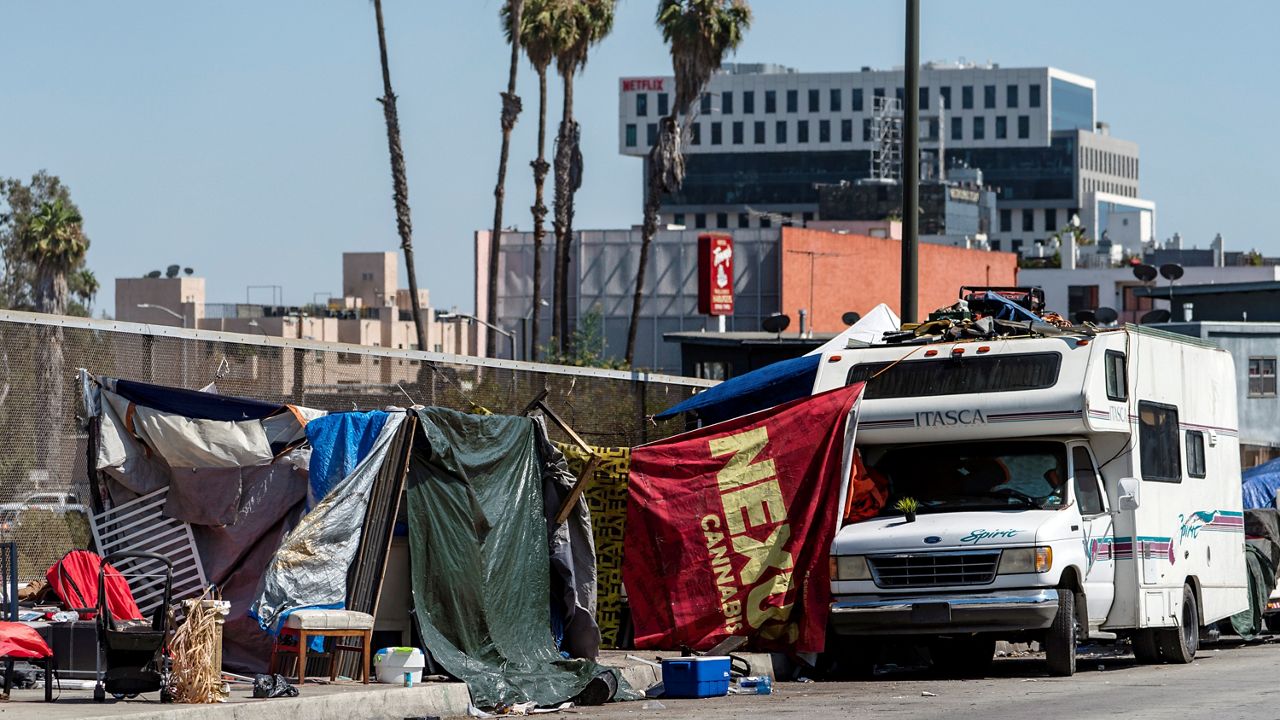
x: 782, y: 381
x: 1260, y: 485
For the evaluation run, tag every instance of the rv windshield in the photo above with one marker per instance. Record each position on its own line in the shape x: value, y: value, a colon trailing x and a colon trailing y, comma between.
x: 996, y: 475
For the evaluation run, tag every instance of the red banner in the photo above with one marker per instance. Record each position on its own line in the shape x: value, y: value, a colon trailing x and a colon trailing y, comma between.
x: 729, y: 528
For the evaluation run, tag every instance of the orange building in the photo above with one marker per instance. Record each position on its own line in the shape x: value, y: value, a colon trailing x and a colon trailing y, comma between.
x: 829, y: 274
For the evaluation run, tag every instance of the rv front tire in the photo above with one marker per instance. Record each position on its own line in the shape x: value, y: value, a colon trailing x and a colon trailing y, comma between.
x: 1060, y: 641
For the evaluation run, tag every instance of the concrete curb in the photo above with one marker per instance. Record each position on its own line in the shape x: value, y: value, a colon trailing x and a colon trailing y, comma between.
x: 442, y: 699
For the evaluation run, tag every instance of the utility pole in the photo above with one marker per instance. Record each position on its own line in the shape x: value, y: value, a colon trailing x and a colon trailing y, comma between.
x: 911, y: 169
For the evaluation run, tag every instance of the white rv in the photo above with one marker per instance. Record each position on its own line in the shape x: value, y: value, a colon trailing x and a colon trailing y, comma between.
x: 1082, y: 486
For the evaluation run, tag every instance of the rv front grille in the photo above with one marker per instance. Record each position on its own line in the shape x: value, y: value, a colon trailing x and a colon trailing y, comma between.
x: 935, y: 569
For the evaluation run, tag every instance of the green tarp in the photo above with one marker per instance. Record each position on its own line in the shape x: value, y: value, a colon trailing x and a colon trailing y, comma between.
x: 480, y: 566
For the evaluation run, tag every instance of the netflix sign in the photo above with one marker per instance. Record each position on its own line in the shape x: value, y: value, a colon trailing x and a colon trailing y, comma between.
x: 643, y: 84
x: 715, y: 274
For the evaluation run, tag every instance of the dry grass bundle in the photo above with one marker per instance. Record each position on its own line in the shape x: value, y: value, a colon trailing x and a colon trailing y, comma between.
x: 196, y: 649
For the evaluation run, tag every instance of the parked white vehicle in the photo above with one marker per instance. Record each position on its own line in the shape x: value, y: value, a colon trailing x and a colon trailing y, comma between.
x: 1069, y: 487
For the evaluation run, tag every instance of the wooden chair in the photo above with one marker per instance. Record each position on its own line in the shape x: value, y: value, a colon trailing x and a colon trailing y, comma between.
x: 302, y: 625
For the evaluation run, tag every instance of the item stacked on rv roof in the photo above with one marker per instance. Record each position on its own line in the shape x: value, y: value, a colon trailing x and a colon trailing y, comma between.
x: 987, y: 313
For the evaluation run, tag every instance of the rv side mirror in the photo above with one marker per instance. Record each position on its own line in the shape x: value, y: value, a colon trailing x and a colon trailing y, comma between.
x: 1130, y: 493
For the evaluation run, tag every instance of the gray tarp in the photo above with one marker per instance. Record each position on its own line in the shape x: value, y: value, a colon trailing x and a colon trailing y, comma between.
x: 480, y: 561
x: 310, y: 568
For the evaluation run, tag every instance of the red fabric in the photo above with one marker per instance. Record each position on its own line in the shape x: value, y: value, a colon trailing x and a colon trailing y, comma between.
x: 22, y: 642
x: 868, y: 492
x: 75, y: 579
x: 729, y: 528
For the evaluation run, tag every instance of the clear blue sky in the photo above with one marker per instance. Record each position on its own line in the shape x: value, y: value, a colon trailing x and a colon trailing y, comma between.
x: 242, y: 138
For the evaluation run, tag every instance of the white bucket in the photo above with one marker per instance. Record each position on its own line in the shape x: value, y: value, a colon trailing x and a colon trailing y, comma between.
x: 393, y: 663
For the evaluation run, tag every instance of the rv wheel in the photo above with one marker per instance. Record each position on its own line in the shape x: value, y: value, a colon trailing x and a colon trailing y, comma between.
x: 1060, y: 641
x: 1145, y: 647
x: 1179, y: 644
x: 1273, y: 624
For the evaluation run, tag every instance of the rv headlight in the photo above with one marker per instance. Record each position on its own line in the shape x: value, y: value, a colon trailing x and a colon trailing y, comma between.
x: 1026, y: 560
x: 849, y: 567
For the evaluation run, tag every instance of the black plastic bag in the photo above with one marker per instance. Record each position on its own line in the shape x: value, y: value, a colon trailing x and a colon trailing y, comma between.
x: 272, y: 686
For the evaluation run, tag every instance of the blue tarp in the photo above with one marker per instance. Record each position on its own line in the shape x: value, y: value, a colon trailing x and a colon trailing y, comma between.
x: 338, y: 443
x: 759, y: 389
x: 1260, y: 485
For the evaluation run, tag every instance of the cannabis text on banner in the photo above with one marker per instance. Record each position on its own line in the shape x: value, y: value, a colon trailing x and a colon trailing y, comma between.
x: 729, y: 527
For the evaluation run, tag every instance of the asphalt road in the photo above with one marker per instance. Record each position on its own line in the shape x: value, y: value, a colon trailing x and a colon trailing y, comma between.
x: 1225, y: 681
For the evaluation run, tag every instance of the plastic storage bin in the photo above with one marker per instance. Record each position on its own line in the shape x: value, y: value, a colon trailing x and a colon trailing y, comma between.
x: 392, y: 664
x: 696, y: 677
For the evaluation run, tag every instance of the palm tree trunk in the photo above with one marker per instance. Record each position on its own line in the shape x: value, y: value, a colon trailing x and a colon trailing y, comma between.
x: 510, y: 111
x: 540, y: 168
x: 565, y: 149
x: 51, y: 297
x: 399, y: 180
x: 652, y: 206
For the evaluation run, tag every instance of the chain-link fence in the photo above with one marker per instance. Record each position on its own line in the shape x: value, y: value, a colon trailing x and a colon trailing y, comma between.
x: 44, y: 485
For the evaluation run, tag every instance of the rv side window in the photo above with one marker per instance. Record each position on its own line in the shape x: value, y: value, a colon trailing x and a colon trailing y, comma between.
x: 1158, y: 442
x: 1117, y: 378
x: 957, y: 376
x: 1087, y: 493
x: 1195, y: 454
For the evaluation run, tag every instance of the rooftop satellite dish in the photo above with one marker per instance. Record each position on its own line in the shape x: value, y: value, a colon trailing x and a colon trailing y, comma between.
x: 188, y: 271
x: 1145, y: 273
x: 153, y: 274
x: 776, y: 323
x: 1106, y: 315
x: 1171, y: 271
x: 850, y: 317
x: 1159, y: 315
x: 1086, y: 316
x: 172, y: 271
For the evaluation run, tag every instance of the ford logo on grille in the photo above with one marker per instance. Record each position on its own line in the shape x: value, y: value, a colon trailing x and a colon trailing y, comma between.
x: 933, y: 540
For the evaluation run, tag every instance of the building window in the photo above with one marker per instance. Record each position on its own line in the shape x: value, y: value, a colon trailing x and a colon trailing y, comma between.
x: 957, y: 128
x: 945, y: 94
x: 765, y: 221
x: 1024, y: 127
x: 979, y: 128
x: 989, y: 96
x: 1002, y: 127
x: 758, y: 130
x: 1006, y: 220
x: 995, y: 245
x: 651, y: 133
x: 722, y: 220
x: 696, y: 138
x: 793, y: 101
x: 1028, y: 220
x: 900, y: 93
x: 1117, y: 376
x: 1262, y: 377
x: 824, y: 131
x: 700, y: 221
x: 1195, y: 454
x: 866, y: 129
x: 780, y: 131
x: 770, y: 101
x: 1081, y: 297
x: 1050, y: 219
x: 1033, y: 96
x: 1161, y: 458
x: 678, y: 219
x: 834, y: 99
x: 924, y: 98
x: 802, y: 131
x: 855, y: 99
x: 748, y: 101
x: 966, y: 97
x: 813, y: 100
x: 715, y: 133
x: 663, y: 104
x: 737, y: 133
x: 744, y: 220
x: 846, y: 130
x: 726, y: 102
x: 631, y: 135
x: 706, y: 104
x: 1015, y: 245
x: 808, y: 217
x: 642, y: 104
x: 878, y: 92
x: 1011, y: 96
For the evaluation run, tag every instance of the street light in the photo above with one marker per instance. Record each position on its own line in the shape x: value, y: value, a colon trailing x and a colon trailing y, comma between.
x: 528, y: 344
x: 149, y: 306
x: 445, y: 315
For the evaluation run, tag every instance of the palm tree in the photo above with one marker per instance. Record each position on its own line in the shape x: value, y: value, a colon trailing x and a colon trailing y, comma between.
x: 700, y: 33
x: 511, y: 17
x: 584, y: 24
x: 539, y: 28
x: 399, y: 180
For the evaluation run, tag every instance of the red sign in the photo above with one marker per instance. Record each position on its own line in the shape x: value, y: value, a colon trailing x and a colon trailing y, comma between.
x: 729, y: 528
x: 636, y: 84
x: 715, y: 274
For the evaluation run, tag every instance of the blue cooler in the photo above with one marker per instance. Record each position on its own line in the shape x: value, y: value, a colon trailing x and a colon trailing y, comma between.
x: 695, y: 677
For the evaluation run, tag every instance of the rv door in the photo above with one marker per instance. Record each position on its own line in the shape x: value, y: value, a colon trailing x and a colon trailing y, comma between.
x: 1099, y: 535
